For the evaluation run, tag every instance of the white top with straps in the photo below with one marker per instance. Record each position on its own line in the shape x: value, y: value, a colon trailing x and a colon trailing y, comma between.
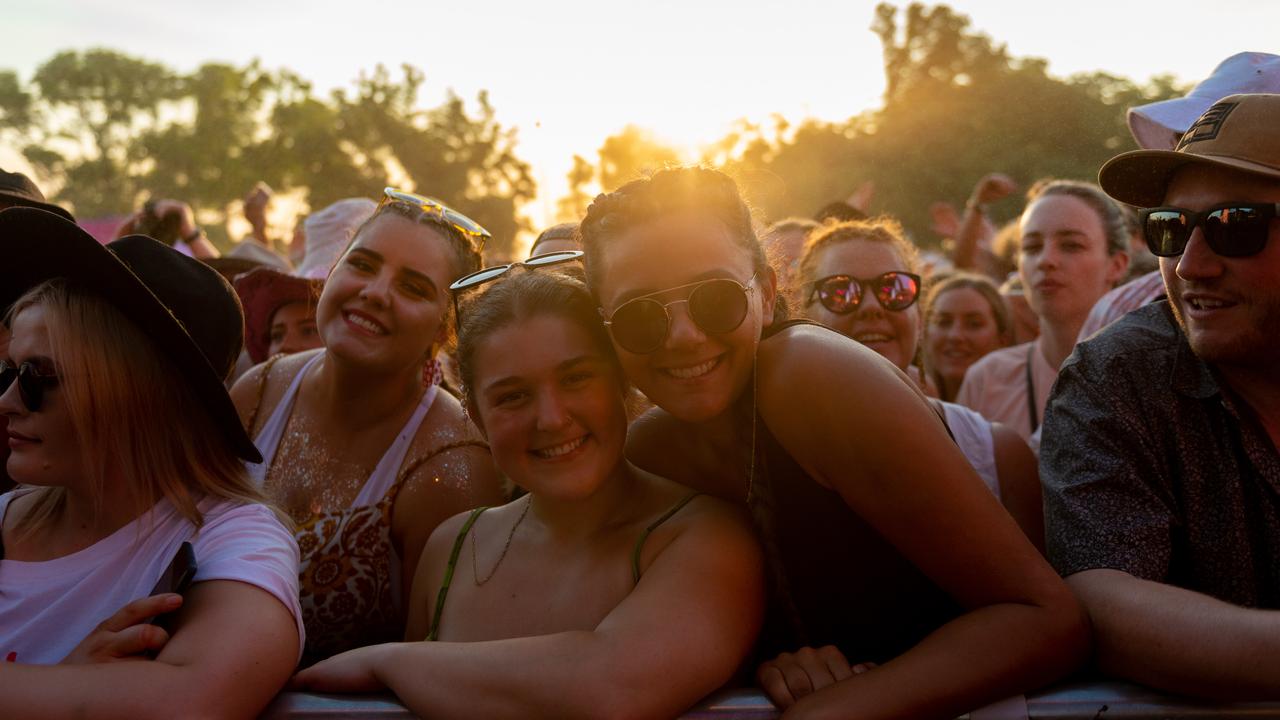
x: 384, y: 474
x: 973, y: 436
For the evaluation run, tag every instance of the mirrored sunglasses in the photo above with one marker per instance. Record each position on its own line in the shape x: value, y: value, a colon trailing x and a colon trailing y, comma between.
x: 1231, y: 229
x: 433, y: 208
x: 842, y: 294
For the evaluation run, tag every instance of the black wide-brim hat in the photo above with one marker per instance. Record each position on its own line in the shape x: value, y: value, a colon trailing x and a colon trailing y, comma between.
x: 183, y: 306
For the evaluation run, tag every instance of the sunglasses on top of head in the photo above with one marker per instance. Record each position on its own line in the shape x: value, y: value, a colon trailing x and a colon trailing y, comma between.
x: 1236, y: 229
x: 842, y: 294
x: 470, y: 229
x: 717, y: 306
x: 31, y: 383
x: 489, y: 274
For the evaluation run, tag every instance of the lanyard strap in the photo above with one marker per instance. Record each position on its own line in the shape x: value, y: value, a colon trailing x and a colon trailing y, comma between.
x: 1032, y: 412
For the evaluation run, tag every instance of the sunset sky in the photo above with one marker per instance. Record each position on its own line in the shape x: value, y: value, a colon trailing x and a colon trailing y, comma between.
x: 568, y: 73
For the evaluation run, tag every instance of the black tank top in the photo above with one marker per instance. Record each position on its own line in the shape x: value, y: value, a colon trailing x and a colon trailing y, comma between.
x: 833, y: 579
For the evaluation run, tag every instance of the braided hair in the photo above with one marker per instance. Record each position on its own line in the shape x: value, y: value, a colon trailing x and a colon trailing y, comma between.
x: 666, y: 192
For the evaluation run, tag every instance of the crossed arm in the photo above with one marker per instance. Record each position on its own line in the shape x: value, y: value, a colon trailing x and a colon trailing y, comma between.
x: 232, y: 649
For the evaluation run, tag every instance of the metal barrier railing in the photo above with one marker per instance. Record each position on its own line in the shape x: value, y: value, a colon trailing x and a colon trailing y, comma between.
x: 1069, y: 701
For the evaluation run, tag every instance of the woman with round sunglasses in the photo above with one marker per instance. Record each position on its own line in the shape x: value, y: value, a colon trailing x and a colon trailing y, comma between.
x: 364, y: 458
x: 130, y: 456
x: 882, y: 544
x: 862, y: 280
x: 1073, y: 249
x: 605, y: 589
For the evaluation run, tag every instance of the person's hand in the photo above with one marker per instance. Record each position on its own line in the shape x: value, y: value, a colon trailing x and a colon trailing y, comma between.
x: 991, y: 188
x: 861, y: 198
x: 255, y: 205
x: 187, y: 225
x: 945, y: 221
x: 126, y: 634
x: 791, y: 676
x: 348, y: 672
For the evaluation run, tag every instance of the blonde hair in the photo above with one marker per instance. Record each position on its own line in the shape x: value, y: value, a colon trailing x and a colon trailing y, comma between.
x: 884, y: 230
x: 131, y: 410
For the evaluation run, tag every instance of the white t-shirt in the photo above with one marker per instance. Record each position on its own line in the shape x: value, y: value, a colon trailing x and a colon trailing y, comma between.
x: 47, y: 608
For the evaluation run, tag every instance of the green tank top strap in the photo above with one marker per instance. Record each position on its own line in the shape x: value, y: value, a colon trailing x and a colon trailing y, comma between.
x: 448, y: 572
x: 635, y: 553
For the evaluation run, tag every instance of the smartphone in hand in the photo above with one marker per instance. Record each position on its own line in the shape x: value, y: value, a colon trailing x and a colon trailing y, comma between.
x: 175, y: 579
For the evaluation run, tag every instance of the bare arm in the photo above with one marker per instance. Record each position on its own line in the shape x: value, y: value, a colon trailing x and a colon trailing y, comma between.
x: 905, y: 477
x: 1019, y: 475
x: 232, y: 649
x: 679, y: 635
x: 975, y: 231
x: 1180, y: 640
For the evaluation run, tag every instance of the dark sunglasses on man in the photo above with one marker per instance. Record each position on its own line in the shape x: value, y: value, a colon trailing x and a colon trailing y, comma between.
x: 1234, y: 229
x: 717, y: 306
x: 842, y: 294
x: 31, y: 383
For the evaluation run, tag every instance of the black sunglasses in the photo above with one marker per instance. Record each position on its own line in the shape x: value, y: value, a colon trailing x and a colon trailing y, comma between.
x: 480, y: 277
x: 31, y: 383
x: 1231, y: 229
x: 717, y: 306
x: 842, y: 294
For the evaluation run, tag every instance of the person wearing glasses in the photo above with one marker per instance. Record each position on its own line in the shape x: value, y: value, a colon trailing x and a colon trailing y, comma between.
x: 141, y: 575
x: 882, y: 544
x: 1073, y: 249
x: 1161, y: 451
x: 605, y: 590
x: 365, y: 456
x: 862, y: 280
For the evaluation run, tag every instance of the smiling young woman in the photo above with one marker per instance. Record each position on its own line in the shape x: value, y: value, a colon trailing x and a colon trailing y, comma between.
x: 356, y: 450
x: 606, y: 589
x: 881, y: 540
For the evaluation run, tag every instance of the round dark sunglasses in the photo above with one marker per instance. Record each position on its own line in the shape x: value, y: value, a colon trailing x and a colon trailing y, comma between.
x: 842, y: 294
x: 717, y: 306
x: 31, y: 383
x: 1231, y: 229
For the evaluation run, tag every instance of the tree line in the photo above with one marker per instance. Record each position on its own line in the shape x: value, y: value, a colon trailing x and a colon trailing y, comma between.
x: 108, y: 129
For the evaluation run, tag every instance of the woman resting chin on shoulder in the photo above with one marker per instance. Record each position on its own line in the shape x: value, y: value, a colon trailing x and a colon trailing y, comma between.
x: 881, y: 540
x: 126, y: 446
x: 605, y: 588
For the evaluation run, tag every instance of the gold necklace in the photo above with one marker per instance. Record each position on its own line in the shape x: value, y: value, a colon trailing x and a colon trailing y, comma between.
x: 475, y: 572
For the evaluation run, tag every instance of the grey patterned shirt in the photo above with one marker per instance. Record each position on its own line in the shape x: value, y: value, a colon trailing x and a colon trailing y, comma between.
x: 1150, y: 466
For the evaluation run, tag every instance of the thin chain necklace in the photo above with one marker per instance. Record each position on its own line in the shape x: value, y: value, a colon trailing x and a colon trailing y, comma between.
x: 475, y: 572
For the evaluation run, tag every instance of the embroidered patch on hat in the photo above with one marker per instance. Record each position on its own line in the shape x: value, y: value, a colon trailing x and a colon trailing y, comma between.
x: 1207, y: 127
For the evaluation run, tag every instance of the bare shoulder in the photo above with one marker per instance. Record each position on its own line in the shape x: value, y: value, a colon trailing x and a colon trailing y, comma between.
x: 808, y: 366
x: 448, y: 466
x: 257, y: 393
x: 700, y: 521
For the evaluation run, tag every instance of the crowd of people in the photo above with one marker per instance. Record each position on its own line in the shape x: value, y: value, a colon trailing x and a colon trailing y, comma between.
x: 668, y: 452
